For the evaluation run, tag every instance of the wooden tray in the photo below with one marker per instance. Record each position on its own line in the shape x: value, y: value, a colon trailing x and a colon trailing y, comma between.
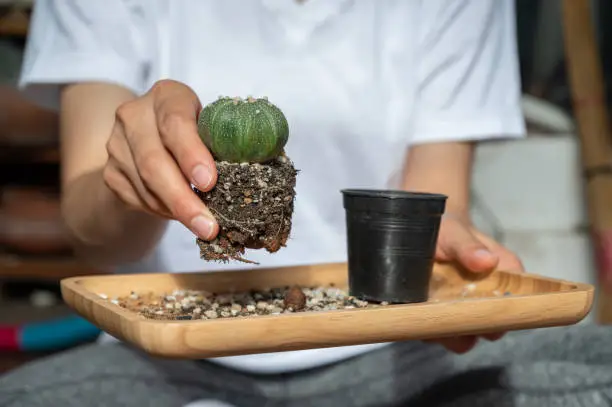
x: 459, y: 304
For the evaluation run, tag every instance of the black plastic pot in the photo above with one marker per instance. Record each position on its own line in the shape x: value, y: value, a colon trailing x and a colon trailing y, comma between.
x: 391, y: 239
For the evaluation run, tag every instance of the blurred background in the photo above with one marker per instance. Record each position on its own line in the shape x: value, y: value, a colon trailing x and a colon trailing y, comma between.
x: 528, y: 194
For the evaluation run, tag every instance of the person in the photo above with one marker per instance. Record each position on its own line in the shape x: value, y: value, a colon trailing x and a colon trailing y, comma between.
x: 378, y: 94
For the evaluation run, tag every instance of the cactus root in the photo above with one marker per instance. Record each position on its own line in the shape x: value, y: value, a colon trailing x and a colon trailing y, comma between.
x: 253, y: 205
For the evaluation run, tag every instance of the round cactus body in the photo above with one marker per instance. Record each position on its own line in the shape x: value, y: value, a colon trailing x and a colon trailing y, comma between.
x: 243, y: 130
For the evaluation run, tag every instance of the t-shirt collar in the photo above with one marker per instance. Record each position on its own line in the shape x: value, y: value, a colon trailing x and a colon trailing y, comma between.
x: 300, y: 19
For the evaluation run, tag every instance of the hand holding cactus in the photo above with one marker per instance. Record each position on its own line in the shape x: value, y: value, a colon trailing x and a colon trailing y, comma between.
x: 154, y: 152
x: 232, y: 151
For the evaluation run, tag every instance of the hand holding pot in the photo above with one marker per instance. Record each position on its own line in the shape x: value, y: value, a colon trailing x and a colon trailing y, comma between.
x: 155, y: 152
x: 459, y: 241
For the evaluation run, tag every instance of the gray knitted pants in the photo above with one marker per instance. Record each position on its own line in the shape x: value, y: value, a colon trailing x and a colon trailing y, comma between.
x: 548, y: 367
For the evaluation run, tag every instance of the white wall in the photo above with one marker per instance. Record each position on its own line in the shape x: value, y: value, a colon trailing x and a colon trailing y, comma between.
x: 528, y: 193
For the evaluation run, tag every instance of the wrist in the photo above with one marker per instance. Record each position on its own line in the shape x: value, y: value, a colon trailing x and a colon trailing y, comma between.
x: 104, y: 231
x: 81, y: 199
x: 443, y: 168
x: 457, y: 202
x: 462, y: 217
x: 93, y: 213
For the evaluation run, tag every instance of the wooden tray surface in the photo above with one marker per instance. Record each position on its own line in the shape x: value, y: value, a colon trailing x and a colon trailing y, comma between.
x: 459, y: 304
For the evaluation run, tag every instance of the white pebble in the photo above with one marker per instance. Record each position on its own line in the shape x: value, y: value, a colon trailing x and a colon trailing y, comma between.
x: 211, y: 314
x: 104, y: 296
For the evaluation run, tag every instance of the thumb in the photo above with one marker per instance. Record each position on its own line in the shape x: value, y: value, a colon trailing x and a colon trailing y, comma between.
x: 458, y: 244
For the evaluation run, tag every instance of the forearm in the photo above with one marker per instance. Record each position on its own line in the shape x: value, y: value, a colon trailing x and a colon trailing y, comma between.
x: 104, y: 231
x: 441, y: 168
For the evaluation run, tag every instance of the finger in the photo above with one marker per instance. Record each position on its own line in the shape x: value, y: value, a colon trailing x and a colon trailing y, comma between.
x: 494, y: 336
x: 441, y: 255
x: 458, y: 243
x: 176, y: 109
x: 117, y: 182
x: 459, y: 345
x: 508, y: 261
x: 121, y: 159
x: 161, y: 175
x: 133, y: 198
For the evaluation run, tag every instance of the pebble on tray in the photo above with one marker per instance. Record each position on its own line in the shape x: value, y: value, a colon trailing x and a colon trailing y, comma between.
x: 193, y: 304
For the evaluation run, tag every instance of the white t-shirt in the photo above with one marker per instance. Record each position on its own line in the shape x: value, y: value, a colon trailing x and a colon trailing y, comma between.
x: 359, y: 81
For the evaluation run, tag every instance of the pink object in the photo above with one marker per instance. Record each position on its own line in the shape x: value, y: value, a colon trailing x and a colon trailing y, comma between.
x: 9, y: 338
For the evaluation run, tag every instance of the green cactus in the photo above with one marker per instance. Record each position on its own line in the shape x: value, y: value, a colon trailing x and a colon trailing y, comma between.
x: 243, y: 130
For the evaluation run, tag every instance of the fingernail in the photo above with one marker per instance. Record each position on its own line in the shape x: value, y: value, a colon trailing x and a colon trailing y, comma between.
x: 202, y: 226
x: 483, y: 253
x: 201, y: 176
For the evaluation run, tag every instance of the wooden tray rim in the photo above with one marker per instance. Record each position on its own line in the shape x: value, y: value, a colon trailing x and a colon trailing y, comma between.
x: 74, y: 284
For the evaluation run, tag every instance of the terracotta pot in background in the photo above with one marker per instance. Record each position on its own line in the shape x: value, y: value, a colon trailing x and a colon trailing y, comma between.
x: 30, y: 221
